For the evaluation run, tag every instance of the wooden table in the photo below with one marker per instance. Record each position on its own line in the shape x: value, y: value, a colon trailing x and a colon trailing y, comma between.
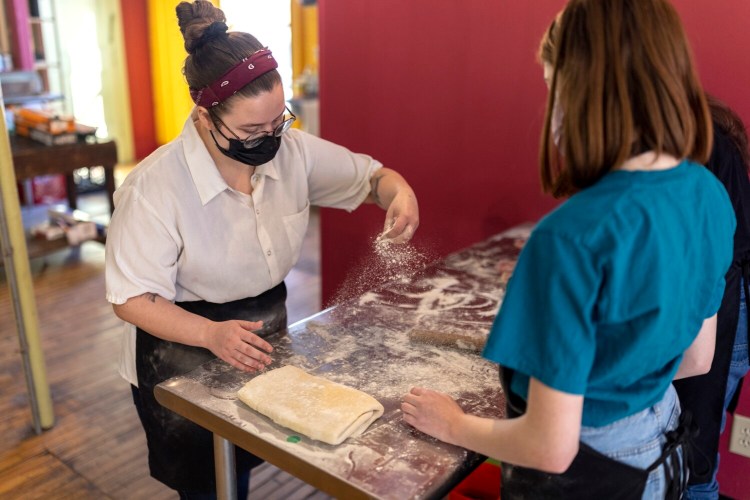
x: 32, y: 158
x: 365, y: 343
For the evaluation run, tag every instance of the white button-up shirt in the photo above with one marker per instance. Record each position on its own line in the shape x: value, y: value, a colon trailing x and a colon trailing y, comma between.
x: 179, y: 231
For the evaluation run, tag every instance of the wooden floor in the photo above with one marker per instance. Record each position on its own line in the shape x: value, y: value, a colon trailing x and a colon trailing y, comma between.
x: 97, y: 448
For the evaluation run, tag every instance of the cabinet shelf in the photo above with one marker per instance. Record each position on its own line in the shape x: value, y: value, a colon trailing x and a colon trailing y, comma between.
x: 42, y: 64
x: 45, y: 45
x: 38, y: 247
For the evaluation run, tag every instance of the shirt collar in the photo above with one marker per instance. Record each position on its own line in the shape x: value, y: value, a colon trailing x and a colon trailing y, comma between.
x: 269, y: 169
x: 206, y: 177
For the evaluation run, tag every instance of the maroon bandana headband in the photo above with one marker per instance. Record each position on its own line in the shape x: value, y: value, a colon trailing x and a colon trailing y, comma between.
x: 244, y: 72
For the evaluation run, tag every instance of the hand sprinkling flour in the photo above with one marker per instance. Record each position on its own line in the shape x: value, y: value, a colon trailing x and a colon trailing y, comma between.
x: 396, y: 231
x: 392, y: 260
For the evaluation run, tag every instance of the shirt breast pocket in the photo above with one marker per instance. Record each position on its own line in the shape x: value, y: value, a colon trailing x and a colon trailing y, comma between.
x: 296, y: 226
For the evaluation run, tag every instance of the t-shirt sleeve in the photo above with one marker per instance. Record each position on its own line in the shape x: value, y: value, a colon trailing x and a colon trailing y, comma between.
x: 337, y: 177
x: 546, y: 325
x: 141, y: 254
x: 716, y: 297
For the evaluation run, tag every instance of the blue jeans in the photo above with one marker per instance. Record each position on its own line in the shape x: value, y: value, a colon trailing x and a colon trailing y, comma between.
x: 638, y: 440
x: 738, y: 368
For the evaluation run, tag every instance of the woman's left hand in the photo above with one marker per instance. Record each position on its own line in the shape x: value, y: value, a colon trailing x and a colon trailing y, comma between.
x: 392, y: 193
x: 402, y: 217
x: 432, y: 412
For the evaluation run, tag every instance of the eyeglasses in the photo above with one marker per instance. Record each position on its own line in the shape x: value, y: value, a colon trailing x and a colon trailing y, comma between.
x: 252, y: 141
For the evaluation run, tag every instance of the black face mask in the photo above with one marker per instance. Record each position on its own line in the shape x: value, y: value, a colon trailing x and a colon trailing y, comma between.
x: 260, y: 154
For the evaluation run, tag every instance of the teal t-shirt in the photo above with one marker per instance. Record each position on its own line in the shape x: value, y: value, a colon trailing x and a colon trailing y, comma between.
x: 613, y: 286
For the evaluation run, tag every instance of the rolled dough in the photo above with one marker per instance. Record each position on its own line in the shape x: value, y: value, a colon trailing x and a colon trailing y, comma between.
x: 472, y: 341
x: 310, y: 405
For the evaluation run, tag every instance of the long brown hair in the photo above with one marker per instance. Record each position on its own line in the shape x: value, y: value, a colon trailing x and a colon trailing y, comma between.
x: 626, y: 83
x: 548, y: 46
x: 212, y: 51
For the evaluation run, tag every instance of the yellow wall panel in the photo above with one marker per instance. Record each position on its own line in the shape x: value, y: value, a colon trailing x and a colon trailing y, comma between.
x: 172, y: 100
x: 304, y: 38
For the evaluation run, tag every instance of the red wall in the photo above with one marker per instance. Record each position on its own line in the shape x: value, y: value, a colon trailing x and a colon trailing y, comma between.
x: 449, y: 94
x: 718, y: 35
x: 137, y: 54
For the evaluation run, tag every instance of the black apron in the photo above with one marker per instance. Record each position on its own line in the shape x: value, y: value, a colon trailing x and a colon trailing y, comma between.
x: 181, y: 453
x: 593, y: 475
x: 704, y: 395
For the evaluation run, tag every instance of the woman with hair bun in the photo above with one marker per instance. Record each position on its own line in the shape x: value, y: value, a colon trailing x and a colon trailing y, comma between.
x: 206, y: 228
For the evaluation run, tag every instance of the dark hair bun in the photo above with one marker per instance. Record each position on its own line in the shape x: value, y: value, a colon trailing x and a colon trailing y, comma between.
x: 200, y: 23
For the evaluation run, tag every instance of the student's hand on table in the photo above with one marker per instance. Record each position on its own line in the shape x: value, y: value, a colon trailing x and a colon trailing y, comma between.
x: 506, y: 266
x: 432, y: 412
x: 401, y: 218
x: 234, y: 342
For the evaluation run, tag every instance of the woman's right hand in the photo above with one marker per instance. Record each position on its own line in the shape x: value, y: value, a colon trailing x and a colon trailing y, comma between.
x: 234, y: 342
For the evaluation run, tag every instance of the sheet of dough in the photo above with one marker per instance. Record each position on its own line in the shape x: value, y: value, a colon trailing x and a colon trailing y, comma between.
x: 313, y: 406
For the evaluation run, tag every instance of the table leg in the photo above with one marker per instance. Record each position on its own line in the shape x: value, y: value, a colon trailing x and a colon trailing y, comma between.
x: 109, y: 184
x: 226, y: 480
x: 70, y: 187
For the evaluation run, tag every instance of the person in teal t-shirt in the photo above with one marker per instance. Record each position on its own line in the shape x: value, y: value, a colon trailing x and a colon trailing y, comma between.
x: 613, y: 286
x: 616, y: 292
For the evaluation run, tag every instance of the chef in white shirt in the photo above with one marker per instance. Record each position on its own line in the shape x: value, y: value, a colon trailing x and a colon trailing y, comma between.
x: 206, y: 228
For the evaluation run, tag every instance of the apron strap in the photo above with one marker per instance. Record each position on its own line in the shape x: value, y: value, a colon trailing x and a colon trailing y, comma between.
x: 745, y: 264
x: 515, y: 406
x: 676, y: 469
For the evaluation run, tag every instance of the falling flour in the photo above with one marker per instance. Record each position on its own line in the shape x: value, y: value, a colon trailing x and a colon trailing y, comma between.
x: 388, y: 263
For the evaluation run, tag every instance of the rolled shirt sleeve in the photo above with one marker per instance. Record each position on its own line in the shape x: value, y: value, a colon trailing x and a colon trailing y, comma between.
x: 716, y: 298
x: 146, y: 263
x: 337, y: 177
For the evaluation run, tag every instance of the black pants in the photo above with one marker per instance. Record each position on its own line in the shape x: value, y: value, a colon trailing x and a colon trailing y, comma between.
x: 180, y: 453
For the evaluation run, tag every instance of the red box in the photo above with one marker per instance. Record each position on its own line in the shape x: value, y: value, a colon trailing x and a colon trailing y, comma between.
x: 48, y: 189
x: 482, y: 484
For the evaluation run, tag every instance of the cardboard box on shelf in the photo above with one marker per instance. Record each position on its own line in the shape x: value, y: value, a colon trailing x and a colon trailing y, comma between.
x: 52, y: 139
x: 45, y: 127
x: 67, y: 215
x: 80, y: 232
x: 45, y: 121
x: 77, y: 225
x: 47, y: 231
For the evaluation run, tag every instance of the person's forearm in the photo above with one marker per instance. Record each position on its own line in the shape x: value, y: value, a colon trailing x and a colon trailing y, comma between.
x: 514, y: 441
x: 165, y: 320
x: 544, y: 438
x: 385, y: 184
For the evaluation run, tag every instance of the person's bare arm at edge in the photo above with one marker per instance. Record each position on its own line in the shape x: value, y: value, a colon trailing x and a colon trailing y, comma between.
x: 699, y: 356
x: 232, y: 341
x: 390, y: 191
x: 545, y: 438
